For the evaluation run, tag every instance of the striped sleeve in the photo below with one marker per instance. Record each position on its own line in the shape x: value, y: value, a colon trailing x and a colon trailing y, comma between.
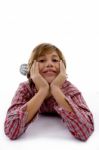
x: 80, y: 122
x: 15, y: 122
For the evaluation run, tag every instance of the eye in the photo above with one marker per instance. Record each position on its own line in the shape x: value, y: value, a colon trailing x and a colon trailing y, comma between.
x: 41, y: 60
x: 55, y: 60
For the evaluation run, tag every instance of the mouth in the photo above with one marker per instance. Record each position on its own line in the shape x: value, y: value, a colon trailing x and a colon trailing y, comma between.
x: 49, y: 72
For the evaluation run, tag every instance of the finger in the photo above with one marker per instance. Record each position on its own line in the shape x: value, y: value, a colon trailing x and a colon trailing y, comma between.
x: 36, y: 68
x: 62, y: 67
x: 32, y: 71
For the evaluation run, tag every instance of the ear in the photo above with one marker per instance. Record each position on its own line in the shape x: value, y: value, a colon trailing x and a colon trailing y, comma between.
x: 23, y: 69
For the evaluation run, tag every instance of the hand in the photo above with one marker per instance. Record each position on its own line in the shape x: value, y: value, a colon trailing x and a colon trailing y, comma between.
x: 59, y: 80
x: 39, y: 81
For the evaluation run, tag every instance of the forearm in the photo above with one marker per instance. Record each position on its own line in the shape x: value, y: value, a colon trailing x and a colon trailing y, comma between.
x: 15, y: 123
x: 34, y: 104
x: 80, y: 130
x: 60, y: 98
x: 79, y: 123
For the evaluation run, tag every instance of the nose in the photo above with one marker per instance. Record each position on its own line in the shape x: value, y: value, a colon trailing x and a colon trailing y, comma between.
x: 49, y: 63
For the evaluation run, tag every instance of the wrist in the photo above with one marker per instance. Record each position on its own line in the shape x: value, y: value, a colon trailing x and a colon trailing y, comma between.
x: 54, y: 88
x: 44, y: 90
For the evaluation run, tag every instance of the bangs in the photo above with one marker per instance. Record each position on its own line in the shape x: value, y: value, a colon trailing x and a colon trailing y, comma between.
x: 43, y: 49
x: 43, y: 52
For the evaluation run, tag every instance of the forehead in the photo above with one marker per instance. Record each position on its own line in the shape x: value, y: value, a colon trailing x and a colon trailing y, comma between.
x: 50, y: 54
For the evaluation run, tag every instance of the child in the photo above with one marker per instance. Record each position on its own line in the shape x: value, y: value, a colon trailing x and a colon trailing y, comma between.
x: 48, y: 91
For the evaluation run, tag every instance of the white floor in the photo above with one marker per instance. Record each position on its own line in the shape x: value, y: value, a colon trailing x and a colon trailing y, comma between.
x: 49, y: 132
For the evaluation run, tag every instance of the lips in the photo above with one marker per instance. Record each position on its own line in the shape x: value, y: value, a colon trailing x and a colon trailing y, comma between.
x: 49, y: 72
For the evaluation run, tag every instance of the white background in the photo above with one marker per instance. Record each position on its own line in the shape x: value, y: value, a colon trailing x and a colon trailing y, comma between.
x: 71, y: 25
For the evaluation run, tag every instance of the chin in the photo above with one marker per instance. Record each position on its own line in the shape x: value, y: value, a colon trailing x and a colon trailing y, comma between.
x: 49, y: 80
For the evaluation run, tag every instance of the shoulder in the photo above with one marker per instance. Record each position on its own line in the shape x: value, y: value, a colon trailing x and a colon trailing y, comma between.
x: 23, y: 93
x: 25, y: 86
x: 70, y: 88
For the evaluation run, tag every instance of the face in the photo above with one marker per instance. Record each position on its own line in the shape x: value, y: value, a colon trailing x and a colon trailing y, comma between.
x: 49, y: 66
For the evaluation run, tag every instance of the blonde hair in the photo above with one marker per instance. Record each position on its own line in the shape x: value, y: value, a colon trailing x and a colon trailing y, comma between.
x: 41, y: 50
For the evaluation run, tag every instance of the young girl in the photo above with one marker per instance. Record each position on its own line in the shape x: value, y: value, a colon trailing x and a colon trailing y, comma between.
x: 48, y: 91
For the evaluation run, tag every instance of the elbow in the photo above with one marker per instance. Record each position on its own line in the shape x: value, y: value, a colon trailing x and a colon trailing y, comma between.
x: 86, y: 137
x: 11, y: 129
x: 10, y: 136
x: 86, y: 133
x: 89, y: 133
